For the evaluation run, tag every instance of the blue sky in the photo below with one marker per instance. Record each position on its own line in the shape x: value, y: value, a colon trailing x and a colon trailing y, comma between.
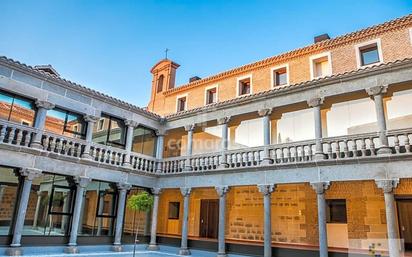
x: 111, y: 45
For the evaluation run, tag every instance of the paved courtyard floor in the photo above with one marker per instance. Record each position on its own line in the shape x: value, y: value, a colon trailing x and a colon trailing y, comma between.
x: 104, y: 251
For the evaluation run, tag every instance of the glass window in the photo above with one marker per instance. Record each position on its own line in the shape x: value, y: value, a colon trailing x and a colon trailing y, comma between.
x: 369, y: 54
x: 134, y: 220
x: 17, y: 109
x: 399, y: 111
x: 9, y: 184
x: 295, y: 126
x: 211, y: 96
x: 181, y: 104
x: 51, y: 205
x: 99, y: 213
x: 280, y: 77
x: 321, y: 67
x: 351, y: 117
x: 66, y: 123
x: 206, y: 141
x: 174, y: 210
x: 336, y: 211
x: 244, y: 86
x: 249, y: 133
x: 144, y: 141
x: 110, y: 131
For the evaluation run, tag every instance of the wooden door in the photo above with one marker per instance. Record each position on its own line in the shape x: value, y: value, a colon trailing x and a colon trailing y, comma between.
x: 405, y: 221
x: 209, y: 218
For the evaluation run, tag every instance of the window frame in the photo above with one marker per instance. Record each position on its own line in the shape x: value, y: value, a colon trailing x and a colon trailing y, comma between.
x: 178, y: 210
x: 238, y: 80
x: 312, y: 60
x: 272, y: 74
x: 158, y: 83
x: 177, y: 102
x: 153, y: 132
x: 112, y: 143
x: 365, y: 45
x: 329, y: 219
x: 14, y: 96
x: 67, y: 113
x: 207, y: 89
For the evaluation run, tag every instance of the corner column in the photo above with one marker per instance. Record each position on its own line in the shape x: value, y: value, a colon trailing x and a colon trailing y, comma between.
x: 153, y: 245
x: 129, y: 141
x: 315, y: 103
x: 222, y: 191
x: 91, y: 121
x: 40, y: 121
x: 159, y: 150
x: 81, y: 184
x: 265, y: 114
x: 388, y: 186
x: 28, y: 174
x: 189, y: 129
x: 117, y: 244
x: 267, y: 190
x: 376, y: 93
x: 184, y: 250
x: 320, y: 188
x: 225, y: 142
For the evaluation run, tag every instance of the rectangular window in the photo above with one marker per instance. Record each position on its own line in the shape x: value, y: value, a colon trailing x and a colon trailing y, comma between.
x: 66, y: 123
x: 211, y: 95
x: 112, y: 132
x: 144, y: 141
x: 181, y: 104
x: 369, y: 54
x: 100, y: 125
x: 17, y: 109
x: 320, y: 65
x: 244, y: 86
x: 174, y: 210
x: 280, y: 76
x: 336, y: 211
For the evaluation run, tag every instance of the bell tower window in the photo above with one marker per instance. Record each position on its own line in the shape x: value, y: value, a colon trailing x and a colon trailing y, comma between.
x: 160, y: 81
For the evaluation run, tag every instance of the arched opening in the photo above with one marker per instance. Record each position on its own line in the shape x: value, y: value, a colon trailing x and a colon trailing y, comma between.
x: 160, y: 83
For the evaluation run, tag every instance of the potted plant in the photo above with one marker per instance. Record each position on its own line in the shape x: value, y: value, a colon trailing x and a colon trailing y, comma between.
x: 140, y: 202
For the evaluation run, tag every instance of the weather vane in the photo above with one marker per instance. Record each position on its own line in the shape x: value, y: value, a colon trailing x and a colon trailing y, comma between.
x: 166, y: 50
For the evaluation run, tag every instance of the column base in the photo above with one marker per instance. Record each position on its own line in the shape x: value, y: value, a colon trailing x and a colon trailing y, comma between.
x: 188, y: 168
x: 71, y: 249
x: 36, y: 145
x: 152, y: 247
x: 223, y: 166
x: 221, y: 255
x: 184, y: 251
x: 117, y: 248
x: 86, y: 156
x: 14, y: 251
x: 266, y: 161
x: 320, y: 156
x: 384, y: 150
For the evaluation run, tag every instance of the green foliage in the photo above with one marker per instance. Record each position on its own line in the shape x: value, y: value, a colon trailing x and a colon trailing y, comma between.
x: 142, y: 201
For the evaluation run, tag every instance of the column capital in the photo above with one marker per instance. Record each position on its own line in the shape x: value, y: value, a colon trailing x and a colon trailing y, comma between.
x: 131, y: 123
x: 185, y: 191
x: 91, y: 118
x: 30, y: 173
x: 222, y: 190
x: 314, y: 102
x: 265, y: 112
x: 161, y: 132
x: 320, y: 187
x: 266, y: 189
x: 123, y: 186
x: 156, y: 191
x: 44, y: 104
x: 190, y: 127
x: 223, y: 120
x: 377, y: 90
x: 387, y: 185
x: 82, y: 181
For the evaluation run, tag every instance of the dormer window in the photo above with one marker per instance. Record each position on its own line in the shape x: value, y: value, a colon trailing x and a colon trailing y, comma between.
x: 280, y: 76
x: 244, y: 86
x: 320, y: 66
x: 181, y: 103
x: 368, y: 53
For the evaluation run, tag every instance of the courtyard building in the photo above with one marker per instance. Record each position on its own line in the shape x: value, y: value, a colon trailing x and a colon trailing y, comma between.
x: 307, y: 153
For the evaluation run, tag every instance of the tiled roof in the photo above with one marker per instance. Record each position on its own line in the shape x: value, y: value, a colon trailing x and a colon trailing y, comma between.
x: 282, y: 89
x: 77, y: 87
x: 344, y: 39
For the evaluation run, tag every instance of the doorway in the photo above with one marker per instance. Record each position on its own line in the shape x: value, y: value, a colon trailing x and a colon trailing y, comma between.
x: 209, y: 218
x: 405, y: 221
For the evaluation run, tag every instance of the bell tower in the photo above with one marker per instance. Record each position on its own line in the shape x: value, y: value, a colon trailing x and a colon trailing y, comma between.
x: 164, y: 75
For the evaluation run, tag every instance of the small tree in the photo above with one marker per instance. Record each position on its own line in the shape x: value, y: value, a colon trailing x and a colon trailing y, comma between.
x: 140, y: 202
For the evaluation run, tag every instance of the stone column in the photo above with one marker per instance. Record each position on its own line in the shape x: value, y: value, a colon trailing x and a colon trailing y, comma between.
x: 153, y: 245
x: 388, y: 186
x: 265, y: 114
x: 320, y: 188
x: 224, y: 123
x: 40, y: 121
x: 129, y: 140
x: 222, y: 191
x: 91, y: 121
x: 315, y: 103
x: 123, y: 188
x: 159, y: 149
x: 184, y: 250
x: 376, y: 93
x: 189, y: 129
x: 81, y: 184
x: 80, y: 229
x: 267, y: 190
x: 28, y: 174
x: 36, y: 212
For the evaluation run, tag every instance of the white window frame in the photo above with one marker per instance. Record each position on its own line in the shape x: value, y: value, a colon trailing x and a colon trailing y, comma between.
x: 315, y: 57
x: 177, y: 101
x: 242, y: 78
x: 272, y: 72
x: 217, y: 93
x: 98, y: 123
x: 363, y: 44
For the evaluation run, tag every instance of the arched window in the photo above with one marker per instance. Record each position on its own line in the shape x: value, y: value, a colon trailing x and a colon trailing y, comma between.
x: 160, y: 83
